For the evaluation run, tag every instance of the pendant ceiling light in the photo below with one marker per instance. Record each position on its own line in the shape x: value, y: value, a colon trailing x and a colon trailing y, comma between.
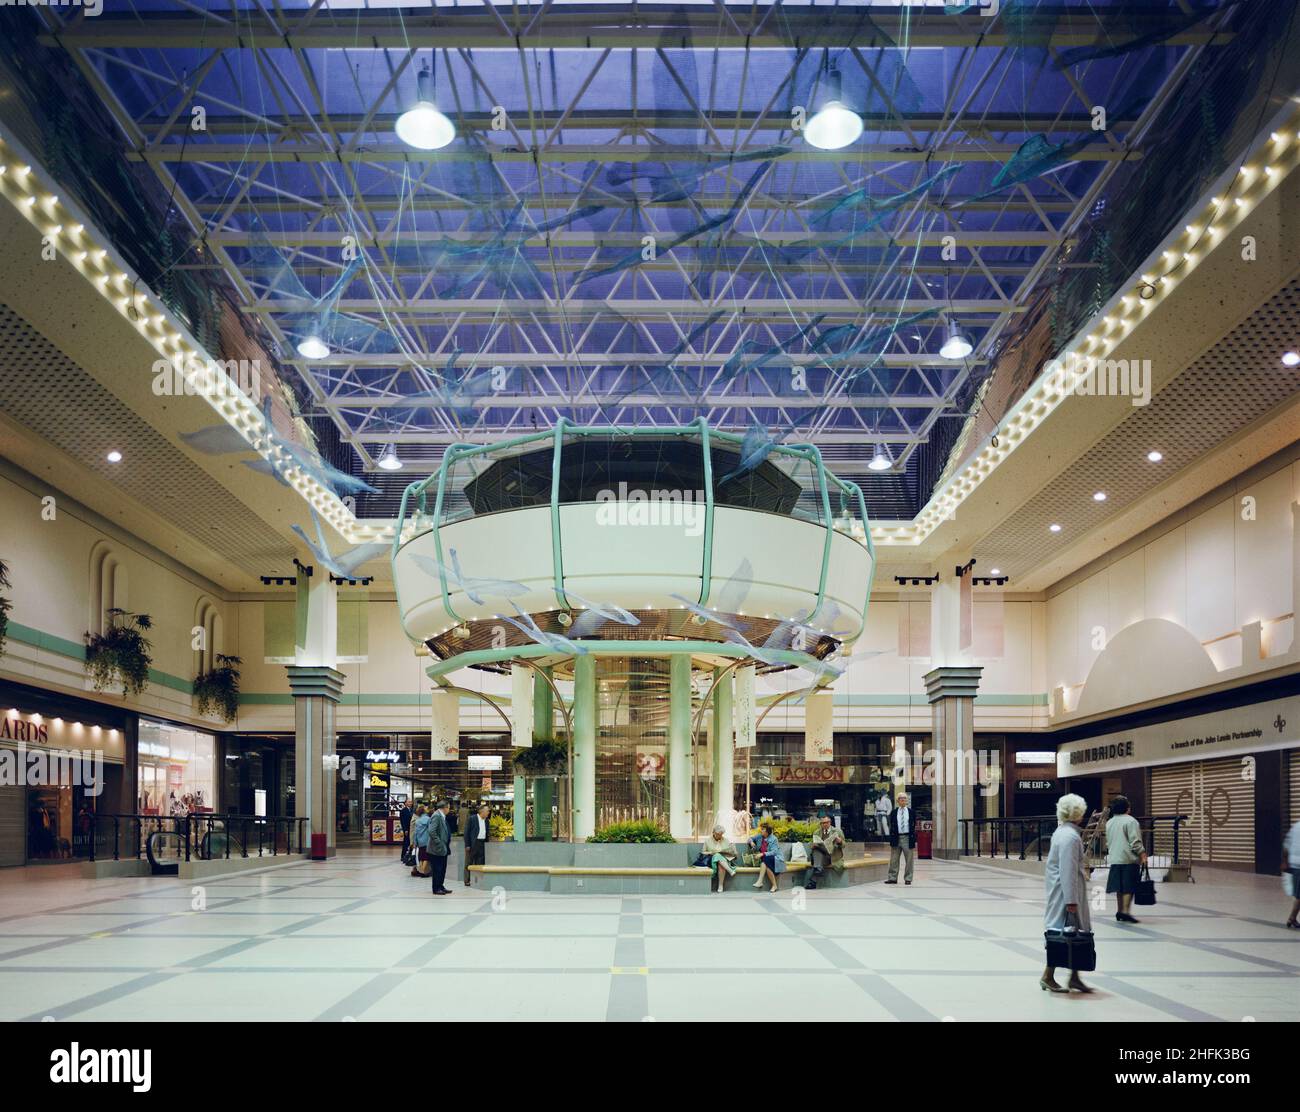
x: 422, y: 126
x: 956, y: 346
x: 880, y: 460
x: 388, y: 460
x: 313, y: 347
x: 835, y: 125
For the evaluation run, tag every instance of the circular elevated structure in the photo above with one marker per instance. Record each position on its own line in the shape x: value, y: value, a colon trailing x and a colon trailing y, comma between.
x: 665, y: 536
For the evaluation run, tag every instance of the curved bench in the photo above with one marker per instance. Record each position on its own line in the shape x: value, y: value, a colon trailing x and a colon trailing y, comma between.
x: 660, y: 880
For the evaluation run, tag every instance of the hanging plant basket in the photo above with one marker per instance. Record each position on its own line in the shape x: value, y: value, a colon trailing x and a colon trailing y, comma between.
x: 5, y: 606
x: 545, y: 757
x: 121, y: 654
x: 218, y: 689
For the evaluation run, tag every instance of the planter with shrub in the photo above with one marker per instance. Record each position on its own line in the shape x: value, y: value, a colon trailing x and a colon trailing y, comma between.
x: 5, y: 605
x: 121, y: 654
x: 634, y: 832
x: 218, y: 689
x: 545, y: 757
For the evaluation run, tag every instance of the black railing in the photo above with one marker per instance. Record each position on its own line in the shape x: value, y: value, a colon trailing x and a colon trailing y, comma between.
x: 199, y: 836
x: 1005, y: 837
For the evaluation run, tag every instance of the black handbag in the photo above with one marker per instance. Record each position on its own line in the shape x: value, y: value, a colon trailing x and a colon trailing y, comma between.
x: 704, y: 861
x: 1071, y: 949
x: 1145, y: 893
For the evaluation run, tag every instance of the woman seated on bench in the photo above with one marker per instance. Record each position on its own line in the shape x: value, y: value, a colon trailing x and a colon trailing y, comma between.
x: 721, y: 854
x: 771, y: 863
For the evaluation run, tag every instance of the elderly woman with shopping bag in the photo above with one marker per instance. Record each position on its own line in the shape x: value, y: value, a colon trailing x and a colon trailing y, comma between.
x: 1067, y: 926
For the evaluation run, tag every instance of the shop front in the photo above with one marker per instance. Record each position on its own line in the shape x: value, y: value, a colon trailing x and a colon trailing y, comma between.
x: 1226, y: 770
x: 775, y: 780
x: 177, y: 769
x: 62, y: 761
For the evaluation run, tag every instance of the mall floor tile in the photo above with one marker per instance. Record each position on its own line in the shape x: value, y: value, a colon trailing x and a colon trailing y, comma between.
x: 357, y: 938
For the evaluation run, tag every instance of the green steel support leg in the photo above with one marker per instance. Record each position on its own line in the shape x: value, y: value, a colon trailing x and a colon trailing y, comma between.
x: 521, y: 809
x: 724, y: 745
x: 680, y: 821
x: 584, y: 746
x: 543, y: 707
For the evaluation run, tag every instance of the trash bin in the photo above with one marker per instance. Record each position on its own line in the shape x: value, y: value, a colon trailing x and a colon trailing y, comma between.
x: 924, y: 840
x: 319, y: 848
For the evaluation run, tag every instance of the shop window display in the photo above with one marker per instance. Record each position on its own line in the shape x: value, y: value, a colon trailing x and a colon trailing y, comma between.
x: 176, y: 769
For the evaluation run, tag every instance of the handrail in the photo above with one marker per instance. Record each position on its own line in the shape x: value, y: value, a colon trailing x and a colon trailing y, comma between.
x: 1000, y: 830
x: 187, y: 829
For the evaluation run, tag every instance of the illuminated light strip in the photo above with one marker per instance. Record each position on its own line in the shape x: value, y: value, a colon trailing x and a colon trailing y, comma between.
x: 60, y: 223
x: 1126, y: 309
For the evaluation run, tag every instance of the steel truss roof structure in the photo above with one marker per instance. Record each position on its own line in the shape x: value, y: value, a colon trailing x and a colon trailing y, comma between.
x: 589, y: 133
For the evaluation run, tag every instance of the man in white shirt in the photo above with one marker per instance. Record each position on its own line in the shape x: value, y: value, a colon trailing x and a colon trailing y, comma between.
x: 883, y: 807
x: 477, y: 832
x: 902, y: 838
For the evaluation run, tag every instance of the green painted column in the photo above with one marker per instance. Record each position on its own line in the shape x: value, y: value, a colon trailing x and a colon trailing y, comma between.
x: 723, y: 741
x: 680, y: 817
x: 543, y: 706
x: 521, y: 809
x: 584, y: 746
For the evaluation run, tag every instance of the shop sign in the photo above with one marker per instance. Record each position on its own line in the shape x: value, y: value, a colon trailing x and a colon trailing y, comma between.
x: 1270, y: 725
x: 385, y: 756
x: 809, y: 774
x: 57, y: 733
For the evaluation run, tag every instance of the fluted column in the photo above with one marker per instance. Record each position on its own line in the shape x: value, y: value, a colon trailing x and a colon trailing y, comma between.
x: 584, y: 746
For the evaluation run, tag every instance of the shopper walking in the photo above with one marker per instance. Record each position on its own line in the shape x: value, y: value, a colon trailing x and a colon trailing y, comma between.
x: 1066, y: 881
x: 902, y: 839
x: 477, y: 833
x: 827, y: 849
x: 721, y: 854
x: 439, y: 847
x: 1125, y: 855
x: 1291, y: 862
x: 771, y: 864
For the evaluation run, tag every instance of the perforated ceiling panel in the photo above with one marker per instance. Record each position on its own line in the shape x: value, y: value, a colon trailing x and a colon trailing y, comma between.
x: 1240, y: 379
x: 75, y: 414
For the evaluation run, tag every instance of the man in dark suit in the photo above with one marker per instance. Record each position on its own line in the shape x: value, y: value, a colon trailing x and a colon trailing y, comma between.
x: 476, y: 839
x: 439, y: 848
x: 404, y: 817
x: 902, y: 838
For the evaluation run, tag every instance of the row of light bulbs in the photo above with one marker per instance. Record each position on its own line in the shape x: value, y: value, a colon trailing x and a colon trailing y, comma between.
x: 52, y: 218
x: 36, y: 719
x: 1262, y: 171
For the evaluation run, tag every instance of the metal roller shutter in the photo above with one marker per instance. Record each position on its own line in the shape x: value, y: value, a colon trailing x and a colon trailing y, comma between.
x: 1229, y: 805
x: 1172, y: 792
x: 1221, y: 804
x: 13, y: 825
x: 1293, y: 763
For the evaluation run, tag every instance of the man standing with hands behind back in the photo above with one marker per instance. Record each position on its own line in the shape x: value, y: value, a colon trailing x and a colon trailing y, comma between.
x: 439, y: 847
x: 476, y: 838
x: 902, y: 838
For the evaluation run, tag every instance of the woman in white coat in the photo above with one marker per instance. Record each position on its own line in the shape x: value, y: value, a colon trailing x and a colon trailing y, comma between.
x: 1067, y: 884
